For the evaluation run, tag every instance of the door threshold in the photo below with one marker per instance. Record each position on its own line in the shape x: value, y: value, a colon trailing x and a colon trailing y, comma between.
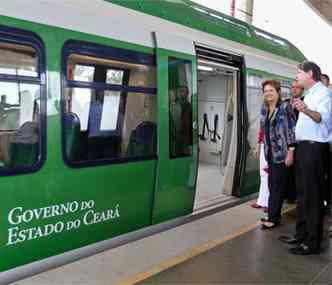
x: 214, y: 202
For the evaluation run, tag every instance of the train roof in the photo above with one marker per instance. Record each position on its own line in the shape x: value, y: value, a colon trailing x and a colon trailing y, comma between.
x: 193, y: 15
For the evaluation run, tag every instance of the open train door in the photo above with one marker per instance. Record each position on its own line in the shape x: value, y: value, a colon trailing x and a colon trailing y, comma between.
x: 177, y: 127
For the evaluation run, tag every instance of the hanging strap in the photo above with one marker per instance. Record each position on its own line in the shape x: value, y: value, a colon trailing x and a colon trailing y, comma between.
x: 205, y: 127
x: 215, y: 131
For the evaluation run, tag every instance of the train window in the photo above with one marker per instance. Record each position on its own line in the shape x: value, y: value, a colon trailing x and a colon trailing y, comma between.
x: 255, y: 81
x: 109, y: 109
x: 18, y: 60
x: 180, y: 107
x: 286, y: 89
x: 93, y: 69
x: 21, y: 107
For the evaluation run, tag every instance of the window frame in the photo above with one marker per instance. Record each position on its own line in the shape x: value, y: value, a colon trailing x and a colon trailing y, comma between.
x: 100, y: 51
x: 23, y: 37
x: 91, y: 65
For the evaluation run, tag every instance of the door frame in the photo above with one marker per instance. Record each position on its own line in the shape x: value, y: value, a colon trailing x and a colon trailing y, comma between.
x: 226, y: 58
x: 175, y: 177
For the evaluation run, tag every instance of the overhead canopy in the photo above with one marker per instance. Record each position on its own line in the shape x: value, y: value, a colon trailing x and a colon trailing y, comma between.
x: 323, y: 8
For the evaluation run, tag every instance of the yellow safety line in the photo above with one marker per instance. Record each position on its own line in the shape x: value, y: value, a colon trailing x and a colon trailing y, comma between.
x: 189, y: 254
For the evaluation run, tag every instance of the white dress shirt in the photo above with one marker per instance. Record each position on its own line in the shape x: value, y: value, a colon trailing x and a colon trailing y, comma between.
x: 319, y: 99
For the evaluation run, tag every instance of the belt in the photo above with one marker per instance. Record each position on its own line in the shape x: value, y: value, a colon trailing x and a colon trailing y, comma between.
x: 311, y: 142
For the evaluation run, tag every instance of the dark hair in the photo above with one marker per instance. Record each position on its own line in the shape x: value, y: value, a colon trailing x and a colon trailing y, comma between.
x: 326, y: 77
x: 307, y: 66
x: 274, y: 83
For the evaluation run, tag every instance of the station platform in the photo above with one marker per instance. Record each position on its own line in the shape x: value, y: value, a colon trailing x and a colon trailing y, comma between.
x: 255, y: 257
x: 228, y: 247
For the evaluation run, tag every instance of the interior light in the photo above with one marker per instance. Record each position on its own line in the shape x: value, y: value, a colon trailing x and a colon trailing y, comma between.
x: 205, y: 68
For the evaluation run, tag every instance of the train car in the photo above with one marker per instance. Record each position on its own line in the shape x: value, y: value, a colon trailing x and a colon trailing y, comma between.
x: 117, y: 117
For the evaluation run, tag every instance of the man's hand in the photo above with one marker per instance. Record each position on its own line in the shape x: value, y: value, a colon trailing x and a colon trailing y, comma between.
x: 300, y: 105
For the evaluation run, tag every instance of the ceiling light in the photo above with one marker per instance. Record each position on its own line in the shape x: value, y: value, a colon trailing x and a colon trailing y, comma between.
x: 205, y: 68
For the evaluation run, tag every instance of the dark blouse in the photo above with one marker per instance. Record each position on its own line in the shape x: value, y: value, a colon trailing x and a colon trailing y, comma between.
x: 279, y: 131
x: 267, y: 137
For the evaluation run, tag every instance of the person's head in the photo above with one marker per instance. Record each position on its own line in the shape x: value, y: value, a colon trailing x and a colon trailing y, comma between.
x: 308, y: 74
x: 271, y: 91
x: 35, y: 114
x: 3, y: 98
x: 99, y: 97
x: 183, y: 92
x: 325, y: 79
x: 172, y: 96
x: 297, y: 89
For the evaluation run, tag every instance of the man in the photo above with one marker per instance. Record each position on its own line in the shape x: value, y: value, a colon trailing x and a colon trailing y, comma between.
x: 327, y: 160
x: 297, y: 92
x: 312, y: 133
x: 3, y: 106
x: 325, y: 79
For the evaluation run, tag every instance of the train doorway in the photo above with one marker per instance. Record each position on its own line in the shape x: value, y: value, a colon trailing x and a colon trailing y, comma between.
x: 217, y: 86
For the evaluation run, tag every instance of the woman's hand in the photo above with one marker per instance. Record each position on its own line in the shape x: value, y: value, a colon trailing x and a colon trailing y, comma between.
x: 289, y: 158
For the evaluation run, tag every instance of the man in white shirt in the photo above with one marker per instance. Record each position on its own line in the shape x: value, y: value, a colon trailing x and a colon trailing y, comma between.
x: 312, y: 134
x: 327, y: 157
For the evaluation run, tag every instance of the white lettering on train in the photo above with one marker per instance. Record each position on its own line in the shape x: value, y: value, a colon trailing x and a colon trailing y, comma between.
x: 19, y: 215
x: 16, y: 235
x: 92, y: 217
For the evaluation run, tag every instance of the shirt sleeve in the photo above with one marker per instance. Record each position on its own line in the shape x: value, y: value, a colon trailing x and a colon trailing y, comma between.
x: 324, y: 109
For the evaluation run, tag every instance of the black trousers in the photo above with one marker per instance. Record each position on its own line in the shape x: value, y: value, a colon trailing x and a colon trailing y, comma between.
x: 310, y: 193
x: 327, y: 174
x: 278, y: 183
x: 290, y: 194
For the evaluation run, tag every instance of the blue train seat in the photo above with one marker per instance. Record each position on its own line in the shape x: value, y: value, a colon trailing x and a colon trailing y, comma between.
x: 72, y: 134
x: 143, y: 140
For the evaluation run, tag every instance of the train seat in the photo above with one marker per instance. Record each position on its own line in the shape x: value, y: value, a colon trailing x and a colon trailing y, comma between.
x: 72, y: 136
x: 23, y: 149
x: 143, y: 140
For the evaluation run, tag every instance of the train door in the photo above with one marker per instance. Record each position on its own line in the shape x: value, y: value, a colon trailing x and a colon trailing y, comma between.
x: 177, y: 137
x: 218, y: 114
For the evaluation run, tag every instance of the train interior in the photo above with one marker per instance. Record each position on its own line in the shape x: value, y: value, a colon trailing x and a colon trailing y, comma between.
x: 217, y: 87
x: 19, y: 108
x: 122, y: 117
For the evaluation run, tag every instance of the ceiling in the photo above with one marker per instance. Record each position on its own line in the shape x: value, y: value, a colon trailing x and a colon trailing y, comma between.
x: 323, y: 8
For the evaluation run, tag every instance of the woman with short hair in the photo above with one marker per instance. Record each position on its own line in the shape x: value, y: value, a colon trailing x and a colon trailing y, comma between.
x: 277, y: 119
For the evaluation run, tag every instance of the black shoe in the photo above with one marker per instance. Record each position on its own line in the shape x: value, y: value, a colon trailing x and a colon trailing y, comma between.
x: 303, y: 249
x: 289, y: 239
x: 269, y: 225
x: 265, y: 219
x: 327, y: 210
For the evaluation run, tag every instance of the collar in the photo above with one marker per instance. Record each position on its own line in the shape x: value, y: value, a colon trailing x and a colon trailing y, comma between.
x: 313, y: 88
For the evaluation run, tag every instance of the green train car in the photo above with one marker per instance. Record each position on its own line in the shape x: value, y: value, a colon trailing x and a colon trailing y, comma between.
x: 117, y: 117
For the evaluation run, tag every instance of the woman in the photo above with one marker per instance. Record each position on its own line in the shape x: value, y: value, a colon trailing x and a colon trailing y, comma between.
x: 263, y: 197
x: 278, y: 122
